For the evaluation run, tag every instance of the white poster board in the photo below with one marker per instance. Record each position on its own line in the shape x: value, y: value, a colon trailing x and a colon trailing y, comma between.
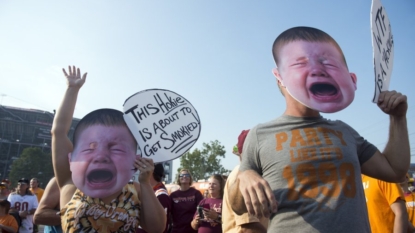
x: 383, y: 49
x: 164, y: 123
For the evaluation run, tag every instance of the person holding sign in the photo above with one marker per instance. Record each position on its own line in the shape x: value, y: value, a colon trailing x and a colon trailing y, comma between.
x: 94, y: 192
x: 302, y: 170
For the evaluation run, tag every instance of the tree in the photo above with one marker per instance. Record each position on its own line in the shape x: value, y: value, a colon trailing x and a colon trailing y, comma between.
x: 204, y: 163
x: 33, y: 162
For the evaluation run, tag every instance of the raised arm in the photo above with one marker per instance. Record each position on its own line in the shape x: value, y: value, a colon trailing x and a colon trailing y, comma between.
x: 393, y: 163
x: 61, y: 145
x: 46, y: 213
x: 150, y: 205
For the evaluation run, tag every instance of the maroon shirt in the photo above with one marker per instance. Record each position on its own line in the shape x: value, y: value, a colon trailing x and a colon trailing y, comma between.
x: 209, y: 226
x: 163, y: 197
x: 184, y: 205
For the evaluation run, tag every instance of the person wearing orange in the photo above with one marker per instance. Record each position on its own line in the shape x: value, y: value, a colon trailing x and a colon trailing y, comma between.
x: 34, y: 188
x: 8, y: 223
x: 410, y: 203
x: 385, y: 206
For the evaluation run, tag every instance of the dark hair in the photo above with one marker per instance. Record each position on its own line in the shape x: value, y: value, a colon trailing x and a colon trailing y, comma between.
x: 219, y: 178
x: 158, y: 173
x: 302, y: 34
x: 6, y: 204
x: 105, y: 116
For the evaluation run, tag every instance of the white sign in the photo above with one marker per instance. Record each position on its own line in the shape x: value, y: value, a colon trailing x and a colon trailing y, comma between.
x: 382, y: 43
x: 164, y: 123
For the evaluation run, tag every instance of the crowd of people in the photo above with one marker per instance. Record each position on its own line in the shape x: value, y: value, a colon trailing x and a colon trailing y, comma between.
x: 298, y: 173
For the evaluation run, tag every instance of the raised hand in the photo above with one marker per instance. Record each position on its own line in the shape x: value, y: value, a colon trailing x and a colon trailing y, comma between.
x: 393, y: 103
x: 146, y: 167
x: 74, y: 78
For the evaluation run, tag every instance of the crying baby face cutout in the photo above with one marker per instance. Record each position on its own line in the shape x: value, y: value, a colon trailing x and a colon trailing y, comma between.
x: 316, y: 75
x: 102, y: 161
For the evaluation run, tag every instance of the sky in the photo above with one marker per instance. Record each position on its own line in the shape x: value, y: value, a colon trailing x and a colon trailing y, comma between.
x: 216, y: 54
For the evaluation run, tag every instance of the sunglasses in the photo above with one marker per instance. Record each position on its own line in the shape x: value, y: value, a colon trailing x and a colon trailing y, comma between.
x: 184, y: 175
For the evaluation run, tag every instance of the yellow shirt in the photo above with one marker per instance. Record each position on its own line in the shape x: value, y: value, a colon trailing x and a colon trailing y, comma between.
x: 39, y: 193
x: 410, y: 206
x: 380, y: 195
x: 92, y: 215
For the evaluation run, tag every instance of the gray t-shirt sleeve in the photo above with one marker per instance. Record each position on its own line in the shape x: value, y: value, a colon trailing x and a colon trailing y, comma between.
x: 365, y: 149
x: 250, y: 155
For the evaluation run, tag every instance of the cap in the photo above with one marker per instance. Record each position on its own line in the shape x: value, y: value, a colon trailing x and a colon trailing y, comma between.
x: 241, y: 140
x: 5, y: 181
x: 159, y: 169
x: 24, y: 181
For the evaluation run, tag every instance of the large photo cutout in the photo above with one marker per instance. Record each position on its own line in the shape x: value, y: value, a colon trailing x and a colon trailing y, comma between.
x: 314, y: 72
x: 102, y: 161
x: 382, y: 43
x: 164, y: 124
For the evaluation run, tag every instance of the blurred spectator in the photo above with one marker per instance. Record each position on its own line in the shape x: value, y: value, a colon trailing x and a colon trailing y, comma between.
x: 8, y: 223
x: 410, y: 203
x: 184, y: 202
x: 385, y: 205
x: 4, y: 191
x: 24, y: 203
x: 208, y: 217
x: 34, y: 188
x: 206, y: 194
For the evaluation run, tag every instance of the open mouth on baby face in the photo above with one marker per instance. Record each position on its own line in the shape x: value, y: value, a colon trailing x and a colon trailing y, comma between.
x: 324, y: 91
x: 100, y: 178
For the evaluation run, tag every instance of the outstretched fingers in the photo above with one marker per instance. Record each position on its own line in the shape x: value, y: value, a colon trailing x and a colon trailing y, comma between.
x: 64, y: 72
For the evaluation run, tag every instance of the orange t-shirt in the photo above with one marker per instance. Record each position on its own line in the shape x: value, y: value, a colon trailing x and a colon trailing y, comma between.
x: 380, y: 195
x: 410, y: 206
x: 39, y: 193
x: 9, y: 221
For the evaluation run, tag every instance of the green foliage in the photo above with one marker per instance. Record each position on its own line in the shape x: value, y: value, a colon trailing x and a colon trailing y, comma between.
x: 33, y: 162
x: 204, y: 163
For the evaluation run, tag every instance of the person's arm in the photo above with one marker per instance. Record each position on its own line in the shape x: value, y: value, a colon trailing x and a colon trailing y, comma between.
x: 152, y: 215
x: 411, y: 227
x: 31, y: 212
x: 46, y: 213
x: 251, y: 193
x: 393, y: 163
x: 11, y: 229
x: 400, y: 224
x: 253, y: 227
x: 61, y: 145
